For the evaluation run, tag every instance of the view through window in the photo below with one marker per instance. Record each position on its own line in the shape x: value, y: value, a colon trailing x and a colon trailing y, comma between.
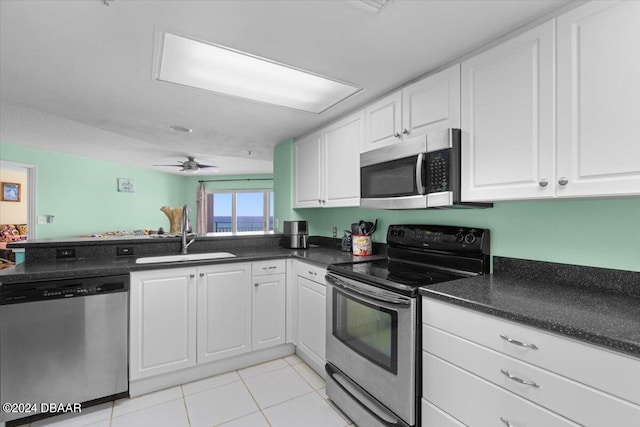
x: 240, y: 211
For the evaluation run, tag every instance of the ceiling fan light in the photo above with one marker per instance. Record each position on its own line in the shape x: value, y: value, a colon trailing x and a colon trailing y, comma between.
x: 223, y: 70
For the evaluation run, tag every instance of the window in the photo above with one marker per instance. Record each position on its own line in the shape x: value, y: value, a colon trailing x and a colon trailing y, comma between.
x: 240, y: 211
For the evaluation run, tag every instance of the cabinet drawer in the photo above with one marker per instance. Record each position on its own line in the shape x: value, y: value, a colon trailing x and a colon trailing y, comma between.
x: 432, y: 416
x: 575, y: 401
x: 478, y: 403
x: 311, y: 272
x: 262, y: 268
x: 598, y: 368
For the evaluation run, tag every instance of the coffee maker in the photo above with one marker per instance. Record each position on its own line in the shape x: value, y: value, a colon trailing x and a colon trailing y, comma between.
x: 296, y: 234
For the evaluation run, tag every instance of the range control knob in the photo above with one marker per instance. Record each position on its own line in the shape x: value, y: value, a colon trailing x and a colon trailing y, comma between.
x: 394, y: 233
x: 469, y: 238
x: 400, y: 233
x: 459, y: 237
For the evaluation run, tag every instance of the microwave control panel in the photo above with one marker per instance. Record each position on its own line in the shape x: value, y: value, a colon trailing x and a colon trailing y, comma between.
x: 438, y: 169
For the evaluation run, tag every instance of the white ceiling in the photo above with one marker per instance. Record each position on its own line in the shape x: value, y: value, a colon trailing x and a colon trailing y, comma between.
x: 77, y: 76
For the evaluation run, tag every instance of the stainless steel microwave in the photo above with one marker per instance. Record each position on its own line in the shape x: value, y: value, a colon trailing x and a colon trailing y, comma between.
x: 421, y: 172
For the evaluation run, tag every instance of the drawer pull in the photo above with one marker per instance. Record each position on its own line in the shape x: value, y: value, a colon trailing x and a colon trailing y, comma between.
x: 313, y: 272
x: 273, y: 267
x: 506, y: 422
x: 518, y: 343
x: 518, y: 379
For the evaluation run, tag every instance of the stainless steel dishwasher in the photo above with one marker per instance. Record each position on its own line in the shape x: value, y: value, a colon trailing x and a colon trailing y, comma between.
x: 63, y: 341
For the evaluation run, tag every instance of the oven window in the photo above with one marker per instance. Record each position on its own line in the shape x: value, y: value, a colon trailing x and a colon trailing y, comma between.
x: 367, y: 329
x: 394, y: 178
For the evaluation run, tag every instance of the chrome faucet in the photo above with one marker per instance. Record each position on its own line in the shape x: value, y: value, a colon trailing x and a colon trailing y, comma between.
x: 186, y: 228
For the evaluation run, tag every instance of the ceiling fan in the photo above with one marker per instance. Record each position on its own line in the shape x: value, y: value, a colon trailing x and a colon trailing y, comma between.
x: 190, y: 165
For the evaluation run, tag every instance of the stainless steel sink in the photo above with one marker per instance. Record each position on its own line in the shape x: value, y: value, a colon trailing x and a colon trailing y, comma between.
x: 187, y: 257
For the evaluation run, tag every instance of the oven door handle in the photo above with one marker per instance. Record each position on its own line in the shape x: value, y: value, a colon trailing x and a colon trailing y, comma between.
x: 385, y: 297
x: 339, y: 378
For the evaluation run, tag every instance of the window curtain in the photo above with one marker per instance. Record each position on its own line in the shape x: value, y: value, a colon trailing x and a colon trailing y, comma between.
x: 201, y: 207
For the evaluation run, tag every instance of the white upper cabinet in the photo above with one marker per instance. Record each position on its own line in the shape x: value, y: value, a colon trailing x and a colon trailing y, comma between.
x: 599, y: 100
x: 383, y: 122
x: 508, y: 119
x: 342, y: 142
x: 430, y: 104
x: 308, y: 181
x: 328, y: 165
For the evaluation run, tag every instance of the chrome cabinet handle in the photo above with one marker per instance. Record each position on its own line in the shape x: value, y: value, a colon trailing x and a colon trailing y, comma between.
x: 256, y: 284
x: 269, y: 268
x: 518, y: 343
x: 201, y: 274
x: 543, y: 182
x: 192, y: 276
x: 518, y: 379
x: 313, y: 272
x: 506, y: 422
x: 563, y: 181
x: 405, y: 132
x: 397, y: 135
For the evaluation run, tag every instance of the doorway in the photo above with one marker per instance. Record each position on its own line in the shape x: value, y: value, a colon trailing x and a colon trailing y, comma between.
x: 18, y: 205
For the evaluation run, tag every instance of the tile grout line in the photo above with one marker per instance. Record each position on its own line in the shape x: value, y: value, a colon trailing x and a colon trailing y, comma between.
x: 184, y: 403
x: 252, y: 397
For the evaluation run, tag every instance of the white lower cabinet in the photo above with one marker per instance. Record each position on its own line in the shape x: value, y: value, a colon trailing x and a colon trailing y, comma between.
x: 268, y: 307
x: 162, y: 322
x: 476, y: 376
x: 224, y: 311
x: 183, y: 317
x: 311, y: 309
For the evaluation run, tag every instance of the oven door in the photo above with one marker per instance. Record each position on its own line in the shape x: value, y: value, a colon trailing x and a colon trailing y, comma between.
x: 371, y: 339
x: 393, y: 177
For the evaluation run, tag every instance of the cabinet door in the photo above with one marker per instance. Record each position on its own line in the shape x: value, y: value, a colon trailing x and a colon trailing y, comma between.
x: 508, y: 119
x: 163, y: 321
x: 383, y: 121
x: 342, y: 141
x: 599, y: 100
x: 432, y: 104
x: 308, y: 193
x: 224, y: 311
x: 268, y: 311
x: 311, y: 320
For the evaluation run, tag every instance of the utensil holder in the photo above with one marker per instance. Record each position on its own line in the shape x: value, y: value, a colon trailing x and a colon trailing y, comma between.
x: 361, y: 244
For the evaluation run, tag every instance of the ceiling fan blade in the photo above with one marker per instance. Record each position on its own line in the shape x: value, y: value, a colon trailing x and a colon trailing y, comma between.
x: 179, y: 166
x: 207, y: 166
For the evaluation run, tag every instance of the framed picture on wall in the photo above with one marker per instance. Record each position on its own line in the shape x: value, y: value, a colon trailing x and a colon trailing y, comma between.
x: 10, y: 191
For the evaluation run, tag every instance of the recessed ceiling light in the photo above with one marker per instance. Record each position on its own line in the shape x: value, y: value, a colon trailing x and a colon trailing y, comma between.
x: 231, y: 72
x: 180, y: 129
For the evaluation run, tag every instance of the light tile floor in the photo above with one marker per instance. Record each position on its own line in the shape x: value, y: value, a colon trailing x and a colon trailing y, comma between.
x: 280, y: 393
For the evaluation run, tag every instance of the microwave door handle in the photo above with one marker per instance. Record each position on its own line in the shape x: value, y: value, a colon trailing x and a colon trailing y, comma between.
x: 389, y: 299
x: 419, y: 163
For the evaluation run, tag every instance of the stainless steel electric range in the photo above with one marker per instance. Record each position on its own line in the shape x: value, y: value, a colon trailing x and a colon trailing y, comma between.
x: 373, y: 318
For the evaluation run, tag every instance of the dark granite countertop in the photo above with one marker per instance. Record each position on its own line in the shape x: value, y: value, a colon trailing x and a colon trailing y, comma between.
x: 605, y: 317
x: 53, y: 270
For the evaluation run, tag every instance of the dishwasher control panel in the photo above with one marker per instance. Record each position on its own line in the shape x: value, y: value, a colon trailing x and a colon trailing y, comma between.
x: 58, y: 289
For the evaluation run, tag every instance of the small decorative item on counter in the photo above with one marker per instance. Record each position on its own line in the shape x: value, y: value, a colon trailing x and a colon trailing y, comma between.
x: 346, y: 241
x: 361, y: 245
x: 175, y: 219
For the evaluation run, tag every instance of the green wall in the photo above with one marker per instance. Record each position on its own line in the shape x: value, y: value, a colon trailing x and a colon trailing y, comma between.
x: 82, y: 193
x: 602, y: 233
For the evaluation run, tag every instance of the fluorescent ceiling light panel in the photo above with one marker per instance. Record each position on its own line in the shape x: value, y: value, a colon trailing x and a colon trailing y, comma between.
x: 230, y: 72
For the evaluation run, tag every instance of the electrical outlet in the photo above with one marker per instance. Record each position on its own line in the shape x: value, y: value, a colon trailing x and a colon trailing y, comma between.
x: 42, y: 220
x: 334, y: 231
